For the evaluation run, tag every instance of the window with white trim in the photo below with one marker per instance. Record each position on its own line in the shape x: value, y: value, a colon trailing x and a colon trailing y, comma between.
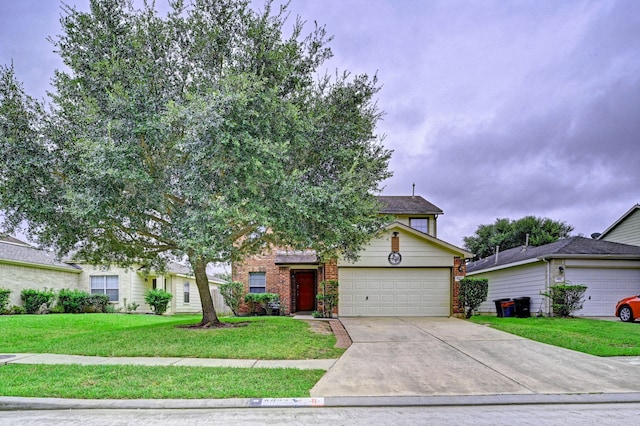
x: 186, y: 291
x: 420, y: 223
x: 105, y: 284
x: 257, y: 282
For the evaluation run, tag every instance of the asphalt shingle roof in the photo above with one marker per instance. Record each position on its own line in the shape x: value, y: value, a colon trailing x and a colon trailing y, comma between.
x: 568, y: 247
x: 407, y: 204
x: 20, y: 252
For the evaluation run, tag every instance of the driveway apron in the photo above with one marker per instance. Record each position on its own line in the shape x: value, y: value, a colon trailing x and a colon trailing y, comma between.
x: 411, y: 356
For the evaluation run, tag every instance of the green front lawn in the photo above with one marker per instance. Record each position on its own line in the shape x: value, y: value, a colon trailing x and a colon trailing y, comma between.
x: 137, y: 382
x: 149, y: 335
x: 595, y: 337
x: 160, y: 336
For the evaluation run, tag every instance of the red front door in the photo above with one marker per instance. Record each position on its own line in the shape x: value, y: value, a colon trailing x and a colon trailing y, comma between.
x: 305, y: 283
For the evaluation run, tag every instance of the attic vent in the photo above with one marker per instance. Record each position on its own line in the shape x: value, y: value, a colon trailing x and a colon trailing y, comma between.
x: 395, y: 243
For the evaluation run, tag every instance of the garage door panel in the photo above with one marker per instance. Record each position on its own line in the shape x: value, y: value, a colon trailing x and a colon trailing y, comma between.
x: 605, y: 286
x: 395, y: 292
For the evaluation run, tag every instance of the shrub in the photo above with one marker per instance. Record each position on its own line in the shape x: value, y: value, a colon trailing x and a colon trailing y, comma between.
x: 97, y: 303
x: 4, y: 300
x: 566, y: 298
x: 130, y: 307
x: 328, y: 295
x: 232, y: 295
x: 57, y: 309
x: 255, y: 300
x: 17, y: 310
x: 73, y: 301
x: 473, y: 291
x: 34, y: 299
x: 77, y: 301
x: 110, y: 309
x: 158, y: 299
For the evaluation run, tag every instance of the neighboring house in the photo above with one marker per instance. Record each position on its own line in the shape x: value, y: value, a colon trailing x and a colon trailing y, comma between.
x: 22, y: 267
x: 25, y: 267
x: 404, y: 271
x: 610, y: 271
x: 625, y: 230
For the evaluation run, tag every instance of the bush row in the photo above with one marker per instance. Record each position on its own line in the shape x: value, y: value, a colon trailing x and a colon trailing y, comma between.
x: 44, y: 301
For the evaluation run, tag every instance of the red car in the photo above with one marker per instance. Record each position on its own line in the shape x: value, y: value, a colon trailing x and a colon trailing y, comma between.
x: 628, y: 309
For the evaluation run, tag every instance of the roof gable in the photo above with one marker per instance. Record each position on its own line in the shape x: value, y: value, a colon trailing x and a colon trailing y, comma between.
x: 410, y: 204
x: 619, y: 221
x: 431, y: 239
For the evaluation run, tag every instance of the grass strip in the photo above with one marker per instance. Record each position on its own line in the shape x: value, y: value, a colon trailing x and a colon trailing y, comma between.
x: 594, y: 337
x: 149, y: 335
x: 137, y: 382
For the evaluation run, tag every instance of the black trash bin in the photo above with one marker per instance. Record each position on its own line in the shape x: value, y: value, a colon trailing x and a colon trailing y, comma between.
x: 498, y: 303
x: 522, y: 306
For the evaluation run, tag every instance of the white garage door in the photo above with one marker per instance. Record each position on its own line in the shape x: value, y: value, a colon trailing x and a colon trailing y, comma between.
x: 604, y: 288
x: 394, y: 292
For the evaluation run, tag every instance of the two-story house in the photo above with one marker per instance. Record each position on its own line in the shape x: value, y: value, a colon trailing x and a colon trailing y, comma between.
x: 404, y: 271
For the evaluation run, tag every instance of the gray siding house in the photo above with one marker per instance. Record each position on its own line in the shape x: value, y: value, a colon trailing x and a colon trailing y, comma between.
x: 610, y: 270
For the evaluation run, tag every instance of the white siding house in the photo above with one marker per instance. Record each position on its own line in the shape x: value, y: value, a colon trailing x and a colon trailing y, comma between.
x: 625, y: 230
x: 25, y: 267
x: 417, y: 283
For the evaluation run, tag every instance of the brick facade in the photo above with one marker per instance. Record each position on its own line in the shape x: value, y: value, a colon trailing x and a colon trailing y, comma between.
x: 276, y: 277
x: 280, y: 279
x: 459, y: 272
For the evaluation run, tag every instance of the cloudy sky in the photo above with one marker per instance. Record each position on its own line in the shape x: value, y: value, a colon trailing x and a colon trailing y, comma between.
x: 494, y: 109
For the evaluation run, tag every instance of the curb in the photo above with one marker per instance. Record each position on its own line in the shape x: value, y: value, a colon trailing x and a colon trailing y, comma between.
x: 8, y: 403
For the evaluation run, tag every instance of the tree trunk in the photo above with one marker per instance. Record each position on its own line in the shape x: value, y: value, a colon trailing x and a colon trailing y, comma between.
x: 209, y: 316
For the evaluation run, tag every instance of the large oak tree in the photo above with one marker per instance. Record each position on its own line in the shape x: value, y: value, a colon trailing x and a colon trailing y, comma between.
x: 506, y: 234
x: 204, y: 134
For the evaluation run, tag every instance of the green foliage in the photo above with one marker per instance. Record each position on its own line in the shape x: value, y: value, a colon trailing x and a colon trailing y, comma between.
x: 111, y: 309
x: 591, y: 336
x: 472, y: 292
x: 267, y: 152
x: 73, y: 301
x: 328, y: 295
x: 232, y: 293
x: 130, y: 307
x: 158, y: 299
x: 33, y: 299
x: 566, y: 298
x: 509, y: 234
x: 98, y: 303
x: 77, y: 301
x: 57, y: 309
x: 131, y: 382
x: 164, y: 336
x: 260, y: 301
x: 4, y: 299
x: 17, y: 310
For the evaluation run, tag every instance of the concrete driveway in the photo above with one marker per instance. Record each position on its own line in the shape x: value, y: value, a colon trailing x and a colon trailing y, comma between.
x: 413, y: 356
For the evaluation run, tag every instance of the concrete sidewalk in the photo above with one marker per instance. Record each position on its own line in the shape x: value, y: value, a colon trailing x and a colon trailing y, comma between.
x: 302, y: 364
